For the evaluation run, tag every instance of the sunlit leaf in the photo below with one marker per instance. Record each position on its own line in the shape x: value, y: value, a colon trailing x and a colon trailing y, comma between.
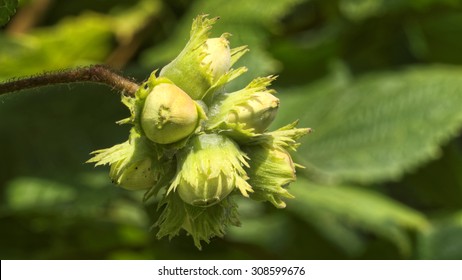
x: 379, y: 126
x: 33, y: 193
x: 72, y: 42
x: 342, y: 213
x: 259, y: 227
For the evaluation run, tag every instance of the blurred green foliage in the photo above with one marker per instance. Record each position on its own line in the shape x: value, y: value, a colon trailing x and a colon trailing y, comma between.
x: 378, y: 81
x: 7, y: 9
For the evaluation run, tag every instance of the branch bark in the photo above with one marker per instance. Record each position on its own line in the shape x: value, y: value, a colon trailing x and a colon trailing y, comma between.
x: 94, y: 73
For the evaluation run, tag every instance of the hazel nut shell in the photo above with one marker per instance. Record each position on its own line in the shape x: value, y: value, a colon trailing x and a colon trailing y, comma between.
x: 169, y: 114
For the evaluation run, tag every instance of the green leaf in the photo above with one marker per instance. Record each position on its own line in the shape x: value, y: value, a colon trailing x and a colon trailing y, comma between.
x: 359, y: 10
x: 31, y: 193
x: 74, y: 41
x: 444, y: 241
x: 377, y: 127
x: 340, y: 213
x: 7, y: 9
x: 268, y: 229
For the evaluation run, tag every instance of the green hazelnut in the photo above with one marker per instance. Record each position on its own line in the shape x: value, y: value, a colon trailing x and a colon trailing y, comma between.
x: 133, y: 162
x: 203, y: 66
x: 169, y: 114
x: 209, y: 170
x: 219, y: 145
x: 271, y: 171
x: 212, y: 192
x: 137, y: 176
x: 257, y: 113
x: 218, y: 58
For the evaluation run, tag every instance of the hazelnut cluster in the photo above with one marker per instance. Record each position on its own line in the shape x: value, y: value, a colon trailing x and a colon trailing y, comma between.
x: 194, y: 145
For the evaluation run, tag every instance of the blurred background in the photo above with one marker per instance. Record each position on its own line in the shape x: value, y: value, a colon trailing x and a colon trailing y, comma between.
x: 379, y: 81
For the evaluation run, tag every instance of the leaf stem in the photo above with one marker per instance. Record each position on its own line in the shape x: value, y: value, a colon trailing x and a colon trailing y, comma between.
x: 93, y: 73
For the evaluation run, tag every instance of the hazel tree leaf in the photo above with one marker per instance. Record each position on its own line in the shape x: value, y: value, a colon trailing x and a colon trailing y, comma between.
x: 32, y: 193
x: 358, y: 10
x: 256, y: 220
x: 74, y: 41
x: 7, y: 9
x: 377, y: 127
x: 444, y: 240
x: 341, y: 213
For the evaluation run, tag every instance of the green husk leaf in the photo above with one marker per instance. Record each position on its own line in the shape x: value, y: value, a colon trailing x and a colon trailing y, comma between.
x: 271, y: 170
x: 285, y: 137
x: 202, y: 223
x: 186, y: 70
x: 237, y: 53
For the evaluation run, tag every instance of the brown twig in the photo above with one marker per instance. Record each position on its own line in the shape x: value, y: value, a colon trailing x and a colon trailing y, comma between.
x: 94, y: 73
